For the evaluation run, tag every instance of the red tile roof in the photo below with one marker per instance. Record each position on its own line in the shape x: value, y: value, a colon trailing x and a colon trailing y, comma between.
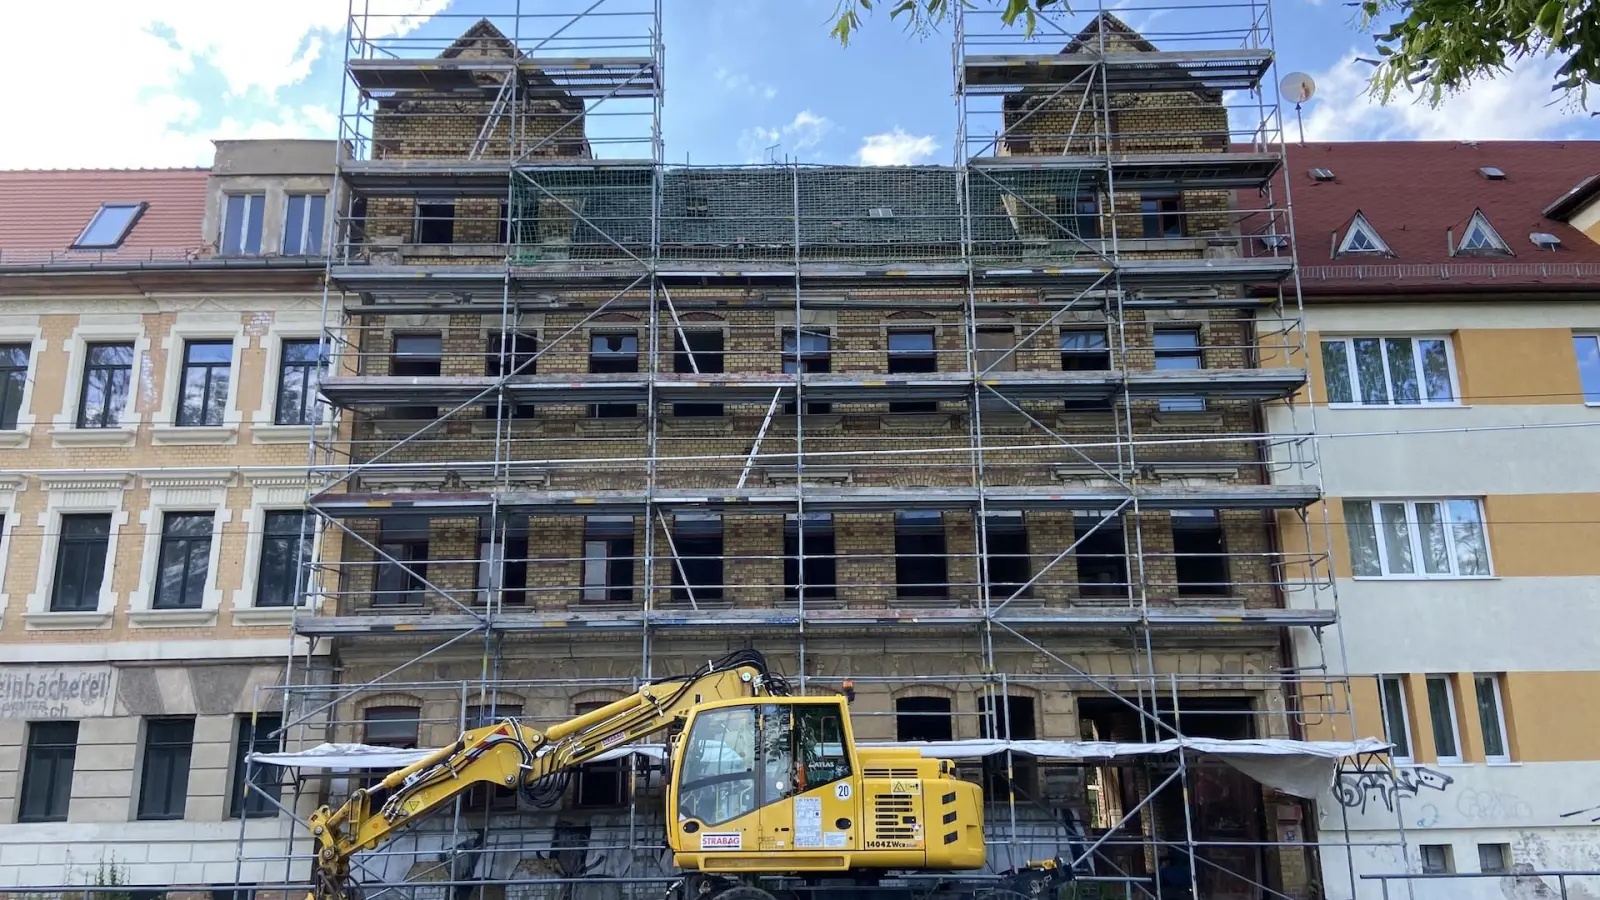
x: 1412, y: 192
x: 43, y: 211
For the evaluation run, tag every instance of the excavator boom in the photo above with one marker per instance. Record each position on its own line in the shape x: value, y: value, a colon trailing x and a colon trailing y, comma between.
x: 509, y: 754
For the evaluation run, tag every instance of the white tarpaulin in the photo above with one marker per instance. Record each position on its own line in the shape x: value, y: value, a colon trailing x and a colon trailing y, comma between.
x: 1302, y: 768
x: 345, y: 757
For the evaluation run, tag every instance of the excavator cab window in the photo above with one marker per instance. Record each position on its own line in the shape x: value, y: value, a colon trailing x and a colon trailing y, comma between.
x: 718, y: 781
x: 819, y: 740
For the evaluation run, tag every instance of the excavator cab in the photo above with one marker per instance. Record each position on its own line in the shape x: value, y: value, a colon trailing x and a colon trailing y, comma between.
x: 777, y: 784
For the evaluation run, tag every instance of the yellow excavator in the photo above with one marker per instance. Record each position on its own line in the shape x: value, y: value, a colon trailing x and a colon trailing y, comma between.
x: 764, y: 788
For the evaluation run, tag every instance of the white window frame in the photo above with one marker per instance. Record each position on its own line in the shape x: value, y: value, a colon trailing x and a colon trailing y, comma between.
x: 1453, y: 711
x: 1497, y: 244
x: 1358, y: 225
x: 288, y: 325
x: 198, y: 490
x: 1415, y: 535
x: 200, y: 326
x: 250, y: 199
x: 33, y: 337
x: 1500, y: 717
x: 10, y: 486
x: 269, y: 492
x: 1576, y: 336
x: 1405, y: 718
x: 64, y: 430
x: 72, y: 495
x: 283, y: 233
x: 1354, y: 374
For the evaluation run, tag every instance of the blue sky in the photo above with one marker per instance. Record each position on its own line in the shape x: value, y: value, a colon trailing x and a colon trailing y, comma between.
x: 742, y: 76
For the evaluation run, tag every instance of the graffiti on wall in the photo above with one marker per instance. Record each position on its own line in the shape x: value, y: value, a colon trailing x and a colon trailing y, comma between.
x: 1354, y: 790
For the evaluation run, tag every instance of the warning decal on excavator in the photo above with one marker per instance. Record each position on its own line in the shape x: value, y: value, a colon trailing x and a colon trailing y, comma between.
x: 722, y: 840
x: 905, y: 787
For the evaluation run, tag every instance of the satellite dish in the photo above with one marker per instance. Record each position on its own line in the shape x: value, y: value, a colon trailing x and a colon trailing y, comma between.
x: 1297, y: 87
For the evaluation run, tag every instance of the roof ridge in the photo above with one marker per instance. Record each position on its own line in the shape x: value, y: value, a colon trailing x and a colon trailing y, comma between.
x: 104, y: 169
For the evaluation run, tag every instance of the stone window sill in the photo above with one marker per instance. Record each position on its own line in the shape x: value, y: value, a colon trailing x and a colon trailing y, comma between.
x: 253, y: 616
x: 288, y: 434
x: 91, y: 437
x: 14, y: 440
x: 181, y: 435
x: 171, y: 618
x: 51, y: 620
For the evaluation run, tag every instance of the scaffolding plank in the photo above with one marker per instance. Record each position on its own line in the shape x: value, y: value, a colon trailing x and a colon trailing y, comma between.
x: 845, y: 500
x: 542, y: 77
x: 377, y: 391
x: 1171, y: 70
x: 570, y: 624
x: 1148, y: 170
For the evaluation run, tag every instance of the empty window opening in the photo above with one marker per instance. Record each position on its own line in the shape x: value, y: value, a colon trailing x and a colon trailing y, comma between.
x: 1162, y: 216
x: 396, y: 727
x: 1201, y: 553
x: 109, y: 226
x: 1179, y: 349
x: 608, y: 559
x: 1494, y: 858
x: 613, y: 353
x: 912, y: 352
x: 923, y: 719
x: 1085, y: 216
x: 416, y: 356
x: 1102, y: 556
x: 1012, y: 720
x: 1085, y: 351
x: 813, y: 564
x: 1437, y: 859
x: 436, y: 223
x: 811, y: 356
x: 513, y: 355
x: 1009, y: 564
x: 703, y: 355
x: 403, y: 542
x: 920, y: 565
x: 503, y: 564
x: 698, y: 567
x: 599, y: 784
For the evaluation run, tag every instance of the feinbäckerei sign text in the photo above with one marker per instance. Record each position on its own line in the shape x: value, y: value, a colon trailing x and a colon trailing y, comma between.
x: 39, y: 692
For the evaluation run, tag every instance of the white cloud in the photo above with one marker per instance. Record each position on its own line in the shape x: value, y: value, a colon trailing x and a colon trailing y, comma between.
x: 739, y: 83
x: 895, y: 148
x: 1515, y: 106
x: 139, y: 110
x: 796, y: 140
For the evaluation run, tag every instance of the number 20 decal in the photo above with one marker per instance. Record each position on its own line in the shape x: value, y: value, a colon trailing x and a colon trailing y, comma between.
x: 842, y: 790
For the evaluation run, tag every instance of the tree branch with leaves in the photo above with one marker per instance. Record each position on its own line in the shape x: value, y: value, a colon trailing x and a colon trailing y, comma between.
x: 1428, y: 49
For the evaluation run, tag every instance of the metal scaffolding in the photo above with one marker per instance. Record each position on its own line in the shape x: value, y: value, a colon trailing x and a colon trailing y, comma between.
x: 987, y: 435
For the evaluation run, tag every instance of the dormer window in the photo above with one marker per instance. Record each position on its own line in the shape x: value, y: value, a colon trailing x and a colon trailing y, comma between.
x: 1361, y: 239
x: 110, y: 226
x: 1480, y: 239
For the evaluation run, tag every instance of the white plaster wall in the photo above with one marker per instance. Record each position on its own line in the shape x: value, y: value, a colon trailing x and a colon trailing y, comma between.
x: 1466, y: 625
x: 1544, y: 811
x: 1402, y: 317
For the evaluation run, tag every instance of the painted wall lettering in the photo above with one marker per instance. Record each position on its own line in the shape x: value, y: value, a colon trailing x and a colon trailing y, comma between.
x: 55, y: 693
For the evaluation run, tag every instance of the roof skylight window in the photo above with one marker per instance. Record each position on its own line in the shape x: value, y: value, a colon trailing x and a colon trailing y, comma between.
x: 1544, y: 240
x: 1321, y: 174
x: 1493, y: 173
x: 110, y: 226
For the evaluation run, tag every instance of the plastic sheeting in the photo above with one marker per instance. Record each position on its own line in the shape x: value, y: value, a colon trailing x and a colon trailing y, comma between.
x: 1302, y: 768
